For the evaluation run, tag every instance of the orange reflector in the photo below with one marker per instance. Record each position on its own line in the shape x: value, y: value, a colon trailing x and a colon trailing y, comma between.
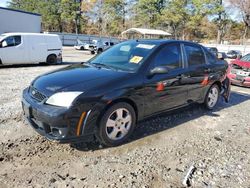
x: 205, y: 81
x: 160, y: 86
x: 110, y: 101
x: 80, y: 123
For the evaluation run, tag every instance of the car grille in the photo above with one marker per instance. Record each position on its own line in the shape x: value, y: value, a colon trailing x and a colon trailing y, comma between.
x: 36, y: 94
x: 240, y: 77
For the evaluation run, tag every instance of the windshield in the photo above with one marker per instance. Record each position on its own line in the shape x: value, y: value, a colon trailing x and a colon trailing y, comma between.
x: 246, y: 58
x: 126, y: 56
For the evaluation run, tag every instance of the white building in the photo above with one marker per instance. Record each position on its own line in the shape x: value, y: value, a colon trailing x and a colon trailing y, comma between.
x: 12, y: 20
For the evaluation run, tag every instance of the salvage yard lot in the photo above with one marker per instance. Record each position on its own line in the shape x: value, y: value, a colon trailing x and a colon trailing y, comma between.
x: 158, y: 155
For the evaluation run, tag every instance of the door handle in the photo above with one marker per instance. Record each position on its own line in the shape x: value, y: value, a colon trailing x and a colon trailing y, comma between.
x: 207, y: 70
x: 182, y: 76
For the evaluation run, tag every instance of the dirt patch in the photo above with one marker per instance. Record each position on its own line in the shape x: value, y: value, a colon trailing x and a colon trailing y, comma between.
x: 159, y: 153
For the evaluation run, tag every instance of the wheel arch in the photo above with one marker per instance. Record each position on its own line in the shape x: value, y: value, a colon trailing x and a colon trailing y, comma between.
x: 126, y: 100
x: 218, y: 83
x: 52, y: 54
x: 49, y: 55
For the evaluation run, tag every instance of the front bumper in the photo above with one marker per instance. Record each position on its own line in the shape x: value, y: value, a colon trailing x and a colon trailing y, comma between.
x: 58, y: 124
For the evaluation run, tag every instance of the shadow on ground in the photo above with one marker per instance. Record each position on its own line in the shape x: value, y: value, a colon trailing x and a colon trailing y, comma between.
x: 172, y: 119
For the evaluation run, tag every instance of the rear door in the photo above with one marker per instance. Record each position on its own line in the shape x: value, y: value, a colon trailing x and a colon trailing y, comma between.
x: 165, y: 91
x: 198, y: 70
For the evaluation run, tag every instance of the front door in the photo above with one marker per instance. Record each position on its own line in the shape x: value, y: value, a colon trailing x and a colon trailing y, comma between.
x: 166, y: 91
x: 12, y: 50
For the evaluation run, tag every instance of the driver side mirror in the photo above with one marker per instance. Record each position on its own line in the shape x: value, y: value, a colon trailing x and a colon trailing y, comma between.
x: 220, y: 56
x: 159, y: 70
x: 4, y: 44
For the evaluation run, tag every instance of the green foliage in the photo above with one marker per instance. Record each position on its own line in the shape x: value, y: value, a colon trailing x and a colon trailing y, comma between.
x: 185, y: 19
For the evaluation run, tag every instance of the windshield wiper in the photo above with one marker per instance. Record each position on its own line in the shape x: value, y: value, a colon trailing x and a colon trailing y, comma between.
x: 102, y: 65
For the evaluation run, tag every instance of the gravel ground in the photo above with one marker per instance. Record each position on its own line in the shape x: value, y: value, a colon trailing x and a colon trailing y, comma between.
x: 159, y: 154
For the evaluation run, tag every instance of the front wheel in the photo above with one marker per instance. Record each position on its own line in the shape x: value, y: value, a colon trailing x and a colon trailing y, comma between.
x: 116, y: 124
x: 99, y: 51
x: 212, y: 97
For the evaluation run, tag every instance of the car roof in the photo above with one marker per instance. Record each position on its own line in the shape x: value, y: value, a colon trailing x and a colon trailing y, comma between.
x: 30, y: 34
x: 164, y: 41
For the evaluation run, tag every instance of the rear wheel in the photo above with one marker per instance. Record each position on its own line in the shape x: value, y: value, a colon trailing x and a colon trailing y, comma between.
x: 99, y: 51
x: 212, y: 97
x: 51, y: 59
x: 116, y: 124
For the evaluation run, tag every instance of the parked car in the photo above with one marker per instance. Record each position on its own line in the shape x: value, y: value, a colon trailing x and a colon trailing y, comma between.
x: 105, y: 97
x: 213, y: 50
x: 24, y: 48
x: 100, y: 46
x: 83, y: 45
x: 233, y: 54
x: 240, y: 71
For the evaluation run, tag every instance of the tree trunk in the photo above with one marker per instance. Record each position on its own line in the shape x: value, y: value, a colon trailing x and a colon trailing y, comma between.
x: 219, y: 33
x: 245, y: 34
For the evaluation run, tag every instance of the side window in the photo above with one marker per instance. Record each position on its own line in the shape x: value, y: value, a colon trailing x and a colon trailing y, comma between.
x: 169, y: 56
x: 195, y: 55
x: 10, y: 41
x: 210, y: 57
x: 13, y: 41
x: 17, y: 40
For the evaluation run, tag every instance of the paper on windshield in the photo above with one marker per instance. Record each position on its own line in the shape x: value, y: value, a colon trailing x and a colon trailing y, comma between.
x: 145, y: 46
x: 135, y: 59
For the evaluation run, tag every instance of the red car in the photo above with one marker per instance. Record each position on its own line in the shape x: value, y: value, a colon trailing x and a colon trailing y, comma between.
x: 240, y: 71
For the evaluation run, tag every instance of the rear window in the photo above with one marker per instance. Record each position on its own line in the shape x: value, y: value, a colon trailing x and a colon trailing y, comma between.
x: 195, y: 55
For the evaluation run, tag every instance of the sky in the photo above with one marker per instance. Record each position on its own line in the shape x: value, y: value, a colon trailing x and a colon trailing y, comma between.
x: 3, y: 3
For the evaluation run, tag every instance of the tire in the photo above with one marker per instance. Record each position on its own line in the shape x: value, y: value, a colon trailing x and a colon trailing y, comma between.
x: 99, y: 51
x: 82, y: 48
x: 212, y: 97
x: 92, y: 52
x: 116, y: 124
x: 51, y: 59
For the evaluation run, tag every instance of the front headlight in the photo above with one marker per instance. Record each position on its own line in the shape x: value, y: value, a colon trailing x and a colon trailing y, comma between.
x: 63, y: 99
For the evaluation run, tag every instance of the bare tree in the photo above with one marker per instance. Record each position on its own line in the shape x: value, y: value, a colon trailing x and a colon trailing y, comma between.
x: 244, y: 7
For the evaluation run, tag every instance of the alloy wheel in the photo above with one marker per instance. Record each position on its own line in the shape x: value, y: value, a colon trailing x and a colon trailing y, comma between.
x: 118, y: 124
x: 213, y: 96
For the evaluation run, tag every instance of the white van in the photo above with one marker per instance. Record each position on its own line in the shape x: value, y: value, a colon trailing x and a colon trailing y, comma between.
x: 24, y: 48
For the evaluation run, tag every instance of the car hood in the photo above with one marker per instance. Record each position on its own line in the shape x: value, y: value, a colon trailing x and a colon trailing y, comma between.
x: 66, y: 78
x: 240, y: 63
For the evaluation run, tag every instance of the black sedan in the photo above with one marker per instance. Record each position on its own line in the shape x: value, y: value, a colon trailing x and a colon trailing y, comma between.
x: 105, y: 97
